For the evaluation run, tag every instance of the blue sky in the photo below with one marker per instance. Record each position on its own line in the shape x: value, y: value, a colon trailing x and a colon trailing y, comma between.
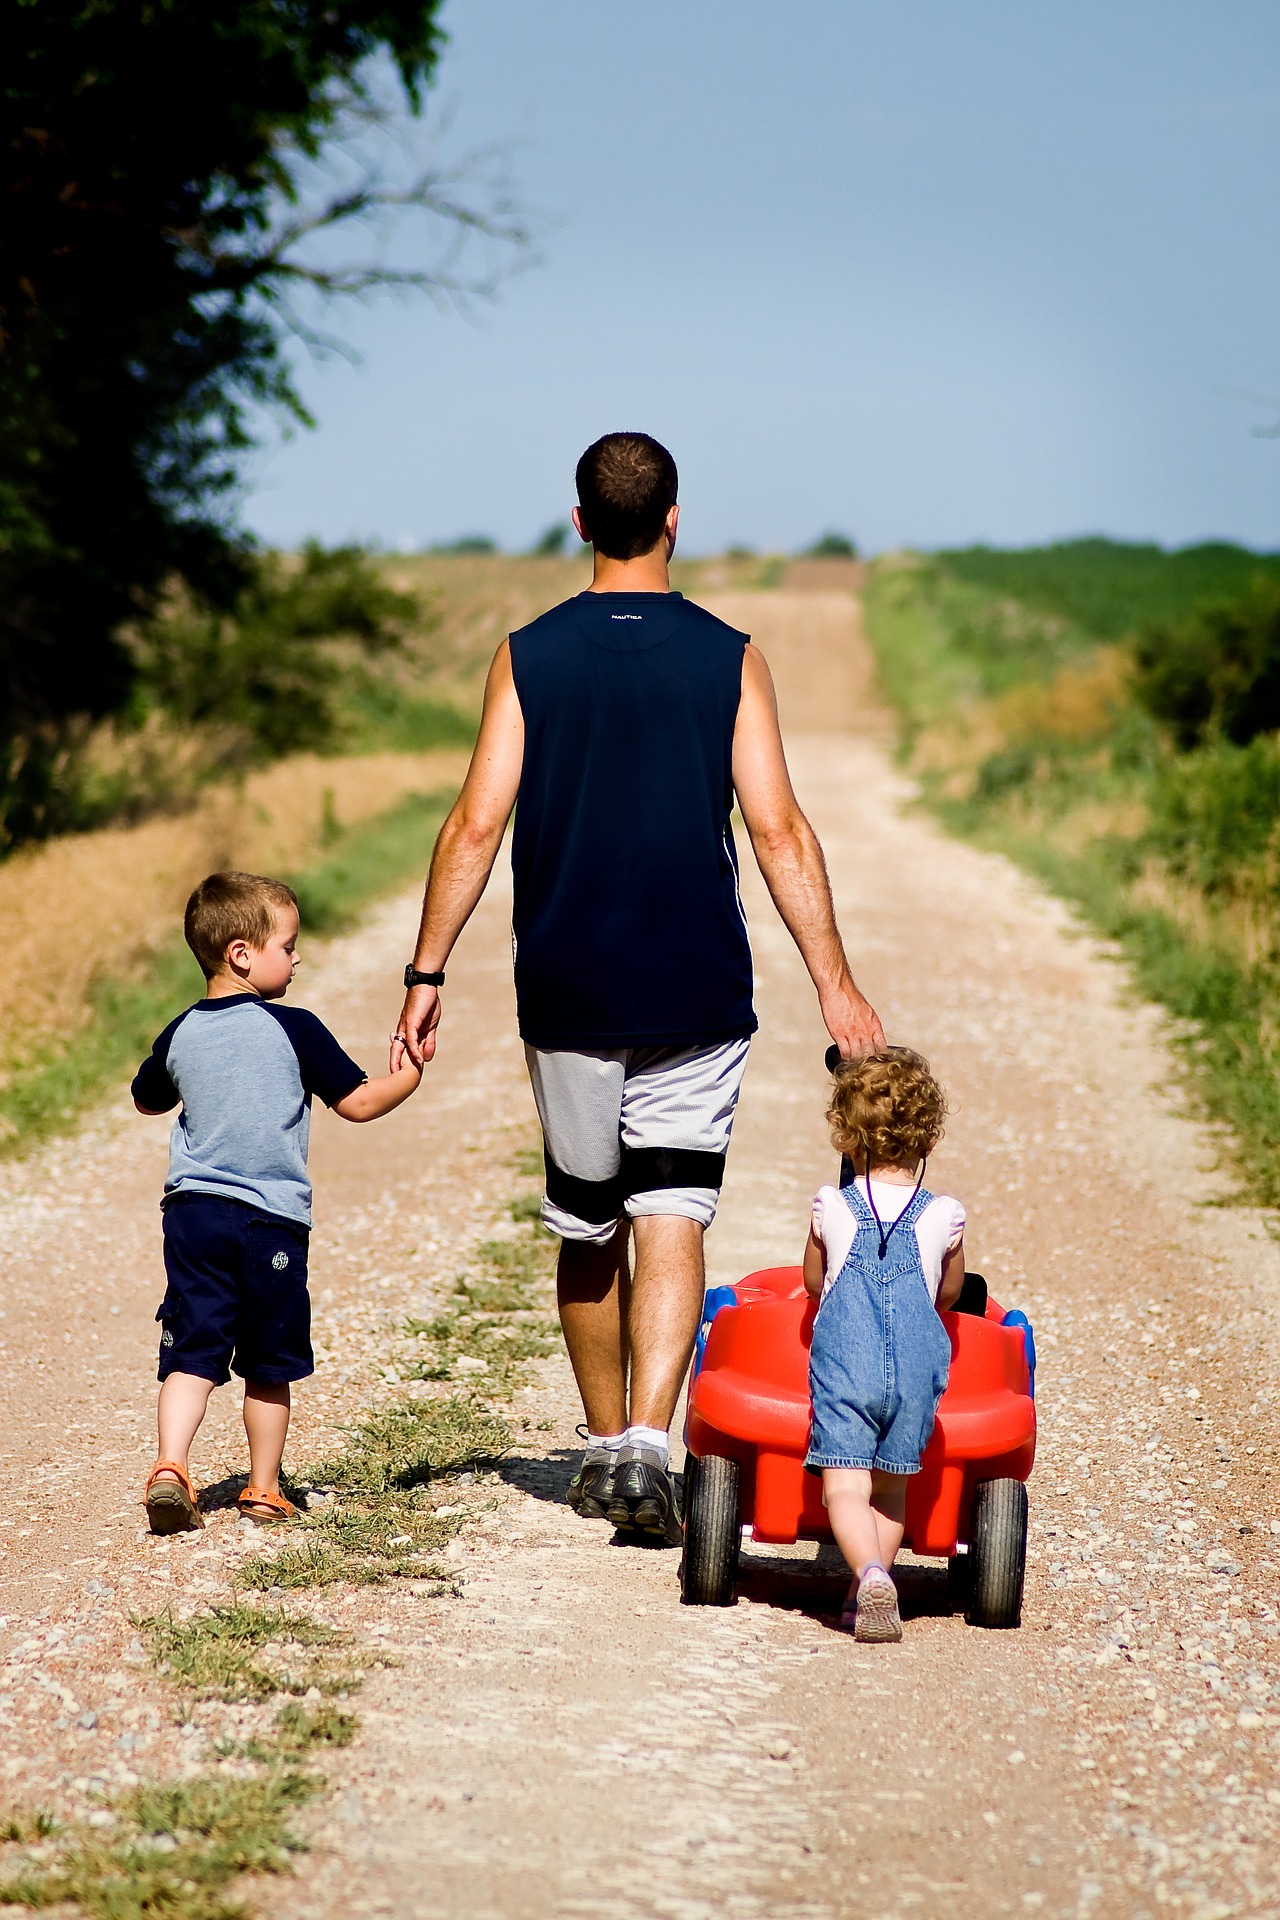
x: 922, y: 271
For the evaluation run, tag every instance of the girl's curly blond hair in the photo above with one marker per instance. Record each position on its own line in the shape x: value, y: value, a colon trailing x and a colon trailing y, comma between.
x: 886, y: 1110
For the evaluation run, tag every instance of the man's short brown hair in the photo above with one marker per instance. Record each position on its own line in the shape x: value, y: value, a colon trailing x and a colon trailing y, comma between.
x: 887, y: 1110
x: 232, y: 906
x: 627, y: 486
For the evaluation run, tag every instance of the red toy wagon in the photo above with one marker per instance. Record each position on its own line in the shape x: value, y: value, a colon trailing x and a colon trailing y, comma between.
x: 747, y: 1431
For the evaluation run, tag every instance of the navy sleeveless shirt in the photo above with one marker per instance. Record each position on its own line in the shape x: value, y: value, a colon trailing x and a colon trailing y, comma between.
x: 628, y: 926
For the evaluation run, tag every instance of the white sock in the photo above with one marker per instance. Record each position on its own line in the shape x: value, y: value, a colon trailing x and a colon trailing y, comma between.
x: 610, y: 1441
x: 654, y: 1437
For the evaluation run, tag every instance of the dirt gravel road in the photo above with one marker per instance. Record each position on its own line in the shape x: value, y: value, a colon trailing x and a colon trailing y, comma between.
x: 564, y: 1739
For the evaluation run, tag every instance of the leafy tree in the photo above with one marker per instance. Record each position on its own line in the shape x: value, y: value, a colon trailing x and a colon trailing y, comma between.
x: 469, y: 543
x: 1216, y: 673
x: 157, y: 166
x: 263, y: 669
x: 833, y: 546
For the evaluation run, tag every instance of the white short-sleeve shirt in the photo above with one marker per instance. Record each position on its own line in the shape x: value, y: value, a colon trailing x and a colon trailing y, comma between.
x: 938, y: 1229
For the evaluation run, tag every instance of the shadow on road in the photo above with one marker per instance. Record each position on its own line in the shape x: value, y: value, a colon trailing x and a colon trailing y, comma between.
x: 817, y: 1588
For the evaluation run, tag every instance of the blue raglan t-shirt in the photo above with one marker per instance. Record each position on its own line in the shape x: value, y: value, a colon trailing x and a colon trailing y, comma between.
x: 244, y: 1070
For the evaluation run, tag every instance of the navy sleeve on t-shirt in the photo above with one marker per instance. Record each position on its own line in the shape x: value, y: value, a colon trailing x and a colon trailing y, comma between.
x: 327, y: 1070
x: 153, y: 1086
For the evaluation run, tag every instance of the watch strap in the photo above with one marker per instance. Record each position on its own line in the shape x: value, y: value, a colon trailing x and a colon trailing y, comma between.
x: 413, y: 978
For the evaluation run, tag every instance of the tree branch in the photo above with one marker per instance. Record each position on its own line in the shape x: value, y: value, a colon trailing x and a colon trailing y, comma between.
x: 470, y: 200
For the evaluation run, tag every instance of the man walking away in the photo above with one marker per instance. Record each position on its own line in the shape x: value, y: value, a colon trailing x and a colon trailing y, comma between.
x: 626, y: 721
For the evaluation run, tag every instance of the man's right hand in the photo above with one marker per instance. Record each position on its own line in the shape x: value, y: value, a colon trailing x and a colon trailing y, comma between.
x: 418, y: 1022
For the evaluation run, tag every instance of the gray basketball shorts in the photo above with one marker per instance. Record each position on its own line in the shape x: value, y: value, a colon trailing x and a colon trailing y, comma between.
x: 634, y: 1130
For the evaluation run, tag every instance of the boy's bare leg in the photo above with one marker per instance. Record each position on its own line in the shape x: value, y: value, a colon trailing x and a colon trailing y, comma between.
x: 184, y: 1400
x: 593, y: 1286
x: 266, y: 1422
x: 666, y: 1299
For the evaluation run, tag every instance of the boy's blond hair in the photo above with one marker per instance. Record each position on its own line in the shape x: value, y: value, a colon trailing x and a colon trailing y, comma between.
x: 886, y: 1110
x: 232, y: 906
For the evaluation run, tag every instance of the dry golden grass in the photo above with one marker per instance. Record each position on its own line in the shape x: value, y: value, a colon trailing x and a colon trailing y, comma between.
x: 1079, y: 703
x: 475, y: 600
x: 101, y: 902
x: 1244, y: 928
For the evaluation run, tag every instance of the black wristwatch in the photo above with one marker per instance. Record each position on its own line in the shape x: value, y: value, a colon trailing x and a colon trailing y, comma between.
x: 412, y: 978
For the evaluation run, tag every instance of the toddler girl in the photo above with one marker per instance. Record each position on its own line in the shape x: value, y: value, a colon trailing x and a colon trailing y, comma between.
x: 883, y: 1254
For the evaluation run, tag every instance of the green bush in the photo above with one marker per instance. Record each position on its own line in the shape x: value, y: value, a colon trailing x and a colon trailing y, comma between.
x: 1216, y: 817
x: 268, y: 670
x: 1216, y: 672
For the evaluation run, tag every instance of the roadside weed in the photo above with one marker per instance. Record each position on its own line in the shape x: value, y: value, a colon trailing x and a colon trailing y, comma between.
x: 170, y: 1850
x: 217, y: 1655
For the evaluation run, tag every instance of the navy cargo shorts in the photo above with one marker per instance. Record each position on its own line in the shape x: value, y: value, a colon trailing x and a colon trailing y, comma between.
x: 236, y: 1299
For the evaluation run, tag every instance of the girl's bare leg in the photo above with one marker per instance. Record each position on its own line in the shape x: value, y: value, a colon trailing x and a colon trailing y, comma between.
x: 847, y: 1492
x: 889, y: 1506
x: 868, y: 1515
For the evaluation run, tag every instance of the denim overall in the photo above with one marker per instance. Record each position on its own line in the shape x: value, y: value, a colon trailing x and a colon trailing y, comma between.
x: 880, y: 1355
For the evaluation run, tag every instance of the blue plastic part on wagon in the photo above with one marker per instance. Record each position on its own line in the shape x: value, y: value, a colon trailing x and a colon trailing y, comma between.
x: 1018, y: 1319
x: 714, y: 1300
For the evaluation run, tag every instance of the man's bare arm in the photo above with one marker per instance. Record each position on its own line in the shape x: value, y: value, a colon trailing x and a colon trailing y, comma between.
x: 791, y: 861
x: 466, y: 849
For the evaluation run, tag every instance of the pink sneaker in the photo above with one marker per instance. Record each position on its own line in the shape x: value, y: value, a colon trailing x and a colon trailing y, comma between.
x: 877, y: 1616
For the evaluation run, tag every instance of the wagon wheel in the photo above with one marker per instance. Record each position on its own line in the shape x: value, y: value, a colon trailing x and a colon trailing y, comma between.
x: 686, y: 1484
x: 708, y: 1572
x: 997, y: 1553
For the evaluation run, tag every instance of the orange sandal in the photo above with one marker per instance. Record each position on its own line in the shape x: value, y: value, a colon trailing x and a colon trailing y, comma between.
x: 280, y: 1509
x: 171, y: 1504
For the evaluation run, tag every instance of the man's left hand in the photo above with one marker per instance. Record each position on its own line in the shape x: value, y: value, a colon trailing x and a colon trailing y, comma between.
x: 852, y: 1022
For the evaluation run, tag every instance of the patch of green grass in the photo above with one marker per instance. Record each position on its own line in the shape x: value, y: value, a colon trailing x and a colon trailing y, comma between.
x: 216, y: 1654
x: 942, y: 644
x: 497, y: 1320
x: 409, y: 1442
x: 172, y: 1852
x: 366, y: 861
x: 381, y: 718
x: 360, y: 1538
x: 299, y: 1732
x: 380, y: 1524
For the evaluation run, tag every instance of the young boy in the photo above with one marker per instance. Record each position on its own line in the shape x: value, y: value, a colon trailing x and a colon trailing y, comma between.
x: 237, y: 1202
